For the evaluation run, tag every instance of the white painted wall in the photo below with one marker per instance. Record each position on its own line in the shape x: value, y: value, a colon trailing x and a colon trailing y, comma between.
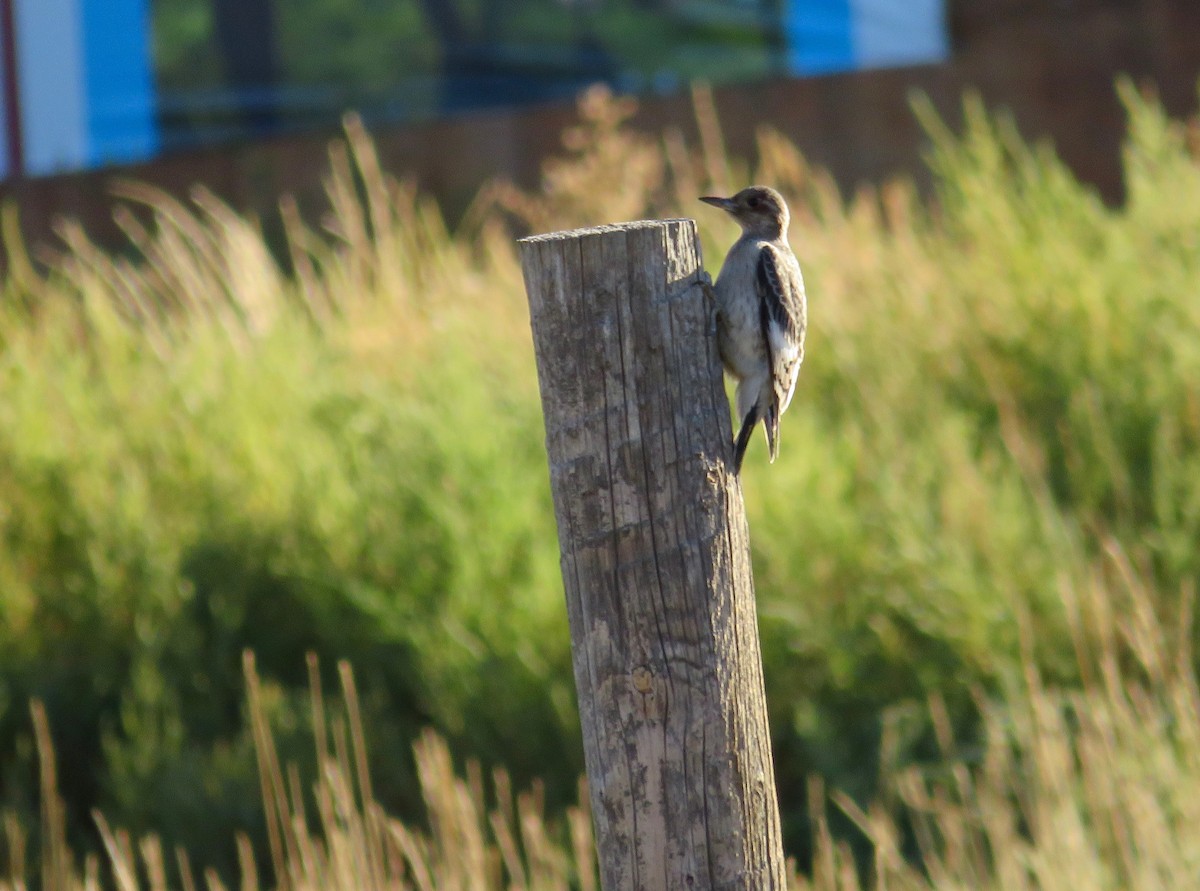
x: 5, y: 161
x: 898, y: 32
x: 50, y: 65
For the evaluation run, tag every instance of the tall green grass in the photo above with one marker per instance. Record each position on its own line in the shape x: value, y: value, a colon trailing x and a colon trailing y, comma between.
x: 1085, y: 788
x: 983, y: 520
x: 199, y: 454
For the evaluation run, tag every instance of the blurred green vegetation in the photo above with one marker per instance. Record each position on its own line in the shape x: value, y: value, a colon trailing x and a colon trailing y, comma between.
x: 360, y: 52
x: 203, y: 450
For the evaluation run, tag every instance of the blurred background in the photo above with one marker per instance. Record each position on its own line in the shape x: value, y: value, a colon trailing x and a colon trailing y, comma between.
x: 243, y: 94
x: 279, y: 579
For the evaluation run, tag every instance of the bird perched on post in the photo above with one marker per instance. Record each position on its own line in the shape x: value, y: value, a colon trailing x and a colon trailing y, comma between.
x: 761, y: 313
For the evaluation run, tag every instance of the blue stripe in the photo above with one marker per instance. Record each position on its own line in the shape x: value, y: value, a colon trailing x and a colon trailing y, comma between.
x: 120, y: 84
x: 820, y: 36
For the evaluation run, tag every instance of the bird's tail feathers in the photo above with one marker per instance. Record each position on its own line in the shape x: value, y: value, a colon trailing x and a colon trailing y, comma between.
x: 771, y: 428
x: 743, y: 438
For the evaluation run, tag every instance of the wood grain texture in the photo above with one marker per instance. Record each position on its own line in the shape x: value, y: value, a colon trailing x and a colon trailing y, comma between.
x: 655, y: 560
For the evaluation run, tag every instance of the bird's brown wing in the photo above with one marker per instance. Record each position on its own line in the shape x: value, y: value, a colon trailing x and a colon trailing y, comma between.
x: 784, y: 316
x: 781, y: 292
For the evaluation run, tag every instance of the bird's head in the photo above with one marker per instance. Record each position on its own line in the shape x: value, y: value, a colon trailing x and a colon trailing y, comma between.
x: 759, y: 210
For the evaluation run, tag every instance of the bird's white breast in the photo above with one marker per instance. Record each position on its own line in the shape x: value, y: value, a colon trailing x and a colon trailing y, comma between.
x: 739, y: 323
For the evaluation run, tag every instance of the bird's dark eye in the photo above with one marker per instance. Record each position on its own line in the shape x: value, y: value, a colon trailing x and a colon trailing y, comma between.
x: 753, y: 201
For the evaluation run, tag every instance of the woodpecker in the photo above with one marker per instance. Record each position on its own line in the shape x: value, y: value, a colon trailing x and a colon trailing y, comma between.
x: 761, y: 314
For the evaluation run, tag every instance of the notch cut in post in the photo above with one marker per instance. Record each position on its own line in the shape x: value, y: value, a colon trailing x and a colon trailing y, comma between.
x: 655, y: 560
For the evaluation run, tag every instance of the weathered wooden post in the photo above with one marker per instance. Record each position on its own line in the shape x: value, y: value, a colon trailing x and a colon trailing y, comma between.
x: 655, y: 560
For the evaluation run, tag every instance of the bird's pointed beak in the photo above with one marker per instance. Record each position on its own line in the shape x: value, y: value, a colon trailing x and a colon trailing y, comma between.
x: 723, y: 203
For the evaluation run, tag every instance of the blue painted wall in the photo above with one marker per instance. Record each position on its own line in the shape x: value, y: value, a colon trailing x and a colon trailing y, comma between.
x: 119, y: 81
x: 827, y: 36
x: 820, y: 36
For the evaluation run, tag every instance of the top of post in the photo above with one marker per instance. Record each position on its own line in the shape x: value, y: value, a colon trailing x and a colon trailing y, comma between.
x: 606, y: 229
